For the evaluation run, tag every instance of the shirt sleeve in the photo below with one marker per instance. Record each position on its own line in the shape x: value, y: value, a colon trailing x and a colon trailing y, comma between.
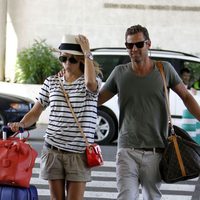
x: 43, y: 97
x: 111, y: 84
x: 172, y: 76
x: 99, y: 82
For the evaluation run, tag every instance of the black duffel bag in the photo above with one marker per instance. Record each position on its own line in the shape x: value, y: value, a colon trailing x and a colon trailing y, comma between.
x: 181, y: 158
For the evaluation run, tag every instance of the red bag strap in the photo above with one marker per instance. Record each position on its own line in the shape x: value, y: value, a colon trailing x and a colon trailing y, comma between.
x: 24, y: 139
x: 14, y: 136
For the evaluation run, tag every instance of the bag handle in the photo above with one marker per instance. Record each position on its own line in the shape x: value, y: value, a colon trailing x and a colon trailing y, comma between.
x: 72, y: 111
x: 173, y: 137
x: 6, y: 129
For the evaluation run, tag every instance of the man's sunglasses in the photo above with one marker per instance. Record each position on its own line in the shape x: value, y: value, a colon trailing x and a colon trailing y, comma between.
x: 139, y: 45
x: 71, y: 59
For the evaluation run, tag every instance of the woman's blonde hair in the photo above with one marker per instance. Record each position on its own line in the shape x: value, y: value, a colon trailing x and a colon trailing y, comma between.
x: 96, y: 65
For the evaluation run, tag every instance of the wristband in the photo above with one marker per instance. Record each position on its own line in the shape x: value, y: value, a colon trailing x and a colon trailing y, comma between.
x: 89, y: 56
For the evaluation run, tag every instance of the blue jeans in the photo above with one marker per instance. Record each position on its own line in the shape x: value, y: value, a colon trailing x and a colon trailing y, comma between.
x: 135, y: 167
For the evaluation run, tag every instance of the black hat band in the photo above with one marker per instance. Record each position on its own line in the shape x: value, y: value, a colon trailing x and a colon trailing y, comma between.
x: 72, y: 47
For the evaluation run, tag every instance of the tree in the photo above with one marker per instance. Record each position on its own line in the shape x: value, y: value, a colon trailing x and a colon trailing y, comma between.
x: 35, y: 64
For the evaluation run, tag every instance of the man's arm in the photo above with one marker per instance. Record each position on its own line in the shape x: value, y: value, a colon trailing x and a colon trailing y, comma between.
x: 188, y: 100
x: 104, y: 95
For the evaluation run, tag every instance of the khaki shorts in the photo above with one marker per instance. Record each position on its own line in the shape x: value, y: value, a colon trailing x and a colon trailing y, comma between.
x: 63, y: 165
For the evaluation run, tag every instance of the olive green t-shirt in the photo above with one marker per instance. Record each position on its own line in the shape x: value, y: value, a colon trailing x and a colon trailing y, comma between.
x: 143, y: 115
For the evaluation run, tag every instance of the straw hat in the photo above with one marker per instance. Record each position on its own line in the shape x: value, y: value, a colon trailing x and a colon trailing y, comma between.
x: 69, y: 45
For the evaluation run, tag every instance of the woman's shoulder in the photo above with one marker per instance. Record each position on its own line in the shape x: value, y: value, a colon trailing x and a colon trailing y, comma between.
x: 51, y: 79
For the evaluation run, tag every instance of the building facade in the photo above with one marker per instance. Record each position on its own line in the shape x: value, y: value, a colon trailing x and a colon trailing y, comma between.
x: 173, y: 24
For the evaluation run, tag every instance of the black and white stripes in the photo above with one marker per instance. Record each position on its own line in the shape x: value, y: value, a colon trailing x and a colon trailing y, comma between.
x: 62, y: 131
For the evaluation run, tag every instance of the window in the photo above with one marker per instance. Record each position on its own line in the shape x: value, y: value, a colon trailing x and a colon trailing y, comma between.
x: 108, y: 62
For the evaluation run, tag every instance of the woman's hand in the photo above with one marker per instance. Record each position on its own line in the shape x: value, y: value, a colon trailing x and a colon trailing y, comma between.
x: 14, y: 126
x: 84, y: 43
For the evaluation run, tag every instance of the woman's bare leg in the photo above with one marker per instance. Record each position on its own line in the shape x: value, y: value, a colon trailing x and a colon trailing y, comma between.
x: 57, y: 189
x: 75, y: 190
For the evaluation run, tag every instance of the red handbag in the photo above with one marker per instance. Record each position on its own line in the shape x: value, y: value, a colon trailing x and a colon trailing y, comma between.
x: 17, y: 158
x: 94, y: 156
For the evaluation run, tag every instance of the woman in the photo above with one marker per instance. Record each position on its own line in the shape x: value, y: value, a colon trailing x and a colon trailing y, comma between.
x: 63, y: 160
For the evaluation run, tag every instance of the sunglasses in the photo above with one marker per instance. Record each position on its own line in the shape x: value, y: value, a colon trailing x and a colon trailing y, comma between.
x: 139, y: 45
x: 71, y: 59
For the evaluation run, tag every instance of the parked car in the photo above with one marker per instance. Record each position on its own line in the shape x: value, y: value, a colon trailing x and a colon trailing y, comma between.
x: 108, y: 58
x: 13, y: 108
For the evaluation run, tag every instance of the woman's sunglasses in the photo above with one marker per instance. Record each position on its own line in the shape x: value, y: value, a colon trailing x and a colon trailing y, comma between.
x: 139, y: 45
x: 71, y: 59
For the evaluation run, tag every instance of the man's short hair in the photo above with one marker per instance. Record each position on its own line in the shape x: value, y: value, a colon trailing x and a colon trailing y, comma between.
x: 185, y: 70
x: 137, y: 29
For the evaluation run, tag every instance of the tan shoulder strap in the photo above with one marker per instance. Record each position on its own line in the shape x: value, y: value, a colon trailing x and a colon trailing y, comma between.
x: 172, y: 138
x: 160, y: 68
x: 72, y: 111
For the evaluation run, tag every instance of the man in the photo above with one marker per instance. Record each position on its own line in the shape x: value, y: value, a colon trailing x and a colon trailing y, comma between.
x: 185, y: 76
x: 143, y: 120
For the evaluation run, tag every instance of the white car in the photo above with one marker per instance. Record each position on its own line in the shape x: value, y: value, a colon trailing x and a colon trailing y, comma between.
x: 108, y: 113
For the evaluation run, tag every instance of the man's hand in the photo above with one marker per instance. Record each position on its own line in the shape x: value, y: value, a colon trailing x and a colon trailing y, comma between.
x: 61, y: 72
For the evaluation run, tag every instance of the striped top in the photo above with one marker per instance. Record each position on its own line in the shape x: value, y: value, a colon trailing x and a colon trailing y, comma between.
x: 62, y: 131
